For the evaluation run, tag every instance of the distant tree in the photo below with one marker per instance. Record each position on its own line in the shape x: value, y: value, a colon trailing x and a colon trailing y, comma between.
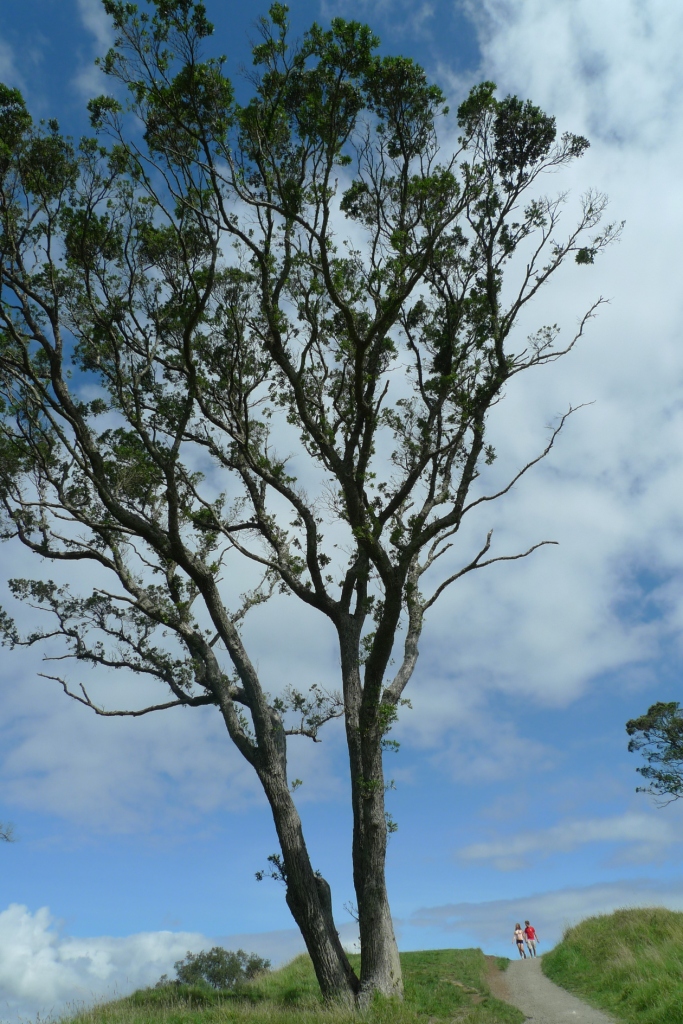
x: 261, y: 342
x: 6, y: 832
x: 220, y: 968
x: 658, y: 736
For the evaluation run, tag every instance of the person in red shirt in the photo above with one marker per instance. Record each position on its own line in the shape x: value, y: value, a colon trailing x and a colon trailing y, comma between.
x: 531, y: 938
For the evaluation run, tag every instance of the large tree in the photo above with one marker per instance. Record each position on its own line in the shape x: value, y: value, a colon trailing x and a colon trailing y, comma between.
x: 269, y: 333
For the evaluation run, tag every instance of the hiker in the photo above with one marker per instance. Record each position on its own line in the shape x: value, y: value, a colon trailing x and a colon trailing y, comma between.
x: 519, y: 939
x: 531, y: 938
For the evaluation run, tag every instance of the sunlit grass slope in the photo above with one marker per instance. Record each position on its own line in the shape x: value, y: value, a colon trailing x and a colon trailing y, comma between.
x: 441, y: 985
x: 629, y: 963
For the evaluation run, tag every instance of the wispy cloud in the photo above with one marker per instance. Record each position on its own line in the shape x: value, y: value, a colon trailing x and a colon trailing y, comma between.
x: 646, y: 835
x: 9, y: 72
x: 402, y: 17
x: 614, y: 65
x: 490, y: 923
x: 97, y: 22
x: 608, y: 599
x: 88, y: 80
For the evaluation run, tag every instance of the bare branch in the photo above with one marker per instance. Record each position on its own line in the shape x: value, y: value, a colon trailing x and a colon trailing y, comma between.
x: 531, y: 464
x: 85, y: 699
x: 476, y: 563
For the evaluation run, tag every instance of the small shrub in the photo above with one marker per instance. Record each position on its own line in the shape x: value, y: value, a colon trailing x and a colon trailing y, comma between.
x: 220, y: 968
x: 164, y: 982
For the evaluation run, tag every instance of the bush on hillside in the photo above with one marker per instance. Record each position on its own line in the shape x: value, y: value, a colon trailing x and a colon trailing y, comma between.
x: 220, y: 968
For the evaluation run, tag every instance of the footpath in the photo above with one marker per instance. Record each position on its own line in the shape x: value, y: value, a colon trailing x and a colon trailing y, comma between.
x: 525, y: 986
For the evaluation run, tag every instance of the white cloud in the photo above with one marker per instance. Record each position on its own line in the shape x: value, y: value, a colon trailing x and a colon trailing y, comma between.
x: 609, y: 598
x: 9, y: 73
x: 97, y: 22
x: 490, y: 924
x: 647, y: 837
x: 404, y: 12
x: 614, y: 65
x: 43, y: 971
x: 166, y: 769
x: 88, y: 80
x: 119, y: 774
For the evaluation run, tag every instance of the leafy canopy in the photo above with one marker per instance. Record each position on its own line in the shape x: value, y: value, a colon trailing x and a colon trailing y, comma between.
x: 658, y: 736
x: 220, y: 968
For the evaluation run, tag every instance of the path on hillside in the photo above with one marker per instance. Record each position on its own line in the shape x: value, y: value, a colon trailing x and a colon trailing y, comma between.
x: 526, y: 987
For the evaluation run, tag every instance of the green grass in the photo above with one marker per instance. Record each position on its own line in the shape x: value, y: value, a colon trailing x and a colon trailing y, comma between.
x: 629, y: 964
x: 445, y: 985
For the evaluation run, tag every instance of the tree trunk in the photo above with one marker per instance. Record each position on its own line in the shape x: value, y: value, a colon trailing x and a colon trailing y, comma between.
x: 380, y: 964
x: 309, y: 899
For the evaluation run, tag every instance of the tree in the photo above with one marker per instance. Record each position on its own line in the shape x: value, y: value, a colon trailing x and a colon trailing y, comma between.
x: 232, y: 288
x: 658, y: 735
x: 220, y: 968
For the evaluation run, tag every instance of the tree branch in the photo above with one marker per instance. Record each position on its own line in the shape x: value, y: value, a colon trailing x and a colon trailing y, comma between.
x: 85, y: 699
x: 477, y: 564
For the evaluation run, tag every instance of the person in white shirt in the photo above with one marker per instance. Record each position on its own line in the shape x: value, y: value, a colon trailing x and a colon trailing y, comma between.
x: 519, y: 939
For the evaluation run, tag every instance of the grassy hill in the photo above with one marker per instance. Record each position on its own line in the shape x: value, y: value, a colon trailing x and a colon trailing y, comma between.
x: 629, y: 964
x: 441, y: 985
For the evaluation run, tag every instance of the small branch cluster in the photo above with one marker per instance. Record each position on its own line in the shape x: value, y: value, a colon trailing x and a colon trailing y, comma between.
x: 6, y: 832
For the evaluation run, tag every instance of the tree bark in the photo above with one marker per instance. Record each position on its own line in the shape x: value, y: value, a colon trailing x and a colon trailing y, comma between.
x: 309, y: 898
x: 308, y: 895
x: 380, y: 963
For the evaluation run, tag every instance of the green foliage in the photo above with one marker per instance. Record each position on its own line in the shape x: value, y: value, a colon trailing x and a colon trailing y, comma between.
x: 15, y: 122
x: 220, y: 968
x: 277, y: 871
x: 522, y: 134
x: 658, y: 735
x: 629, y: 963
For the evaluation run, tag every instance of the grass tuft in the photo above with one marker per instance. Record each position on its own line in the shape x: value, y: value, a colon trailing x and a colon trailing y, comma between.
x: 444, y: 985
x: 629, y: 963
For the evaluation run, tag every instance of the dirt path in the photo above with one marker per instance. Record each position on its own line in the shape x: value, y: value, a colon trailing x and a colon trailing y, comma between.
x: 526, y: 987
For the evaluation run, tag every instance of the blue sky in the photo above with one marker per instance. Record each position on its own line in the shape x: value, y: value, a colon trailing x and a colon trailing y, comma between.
x: 515, y: 793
